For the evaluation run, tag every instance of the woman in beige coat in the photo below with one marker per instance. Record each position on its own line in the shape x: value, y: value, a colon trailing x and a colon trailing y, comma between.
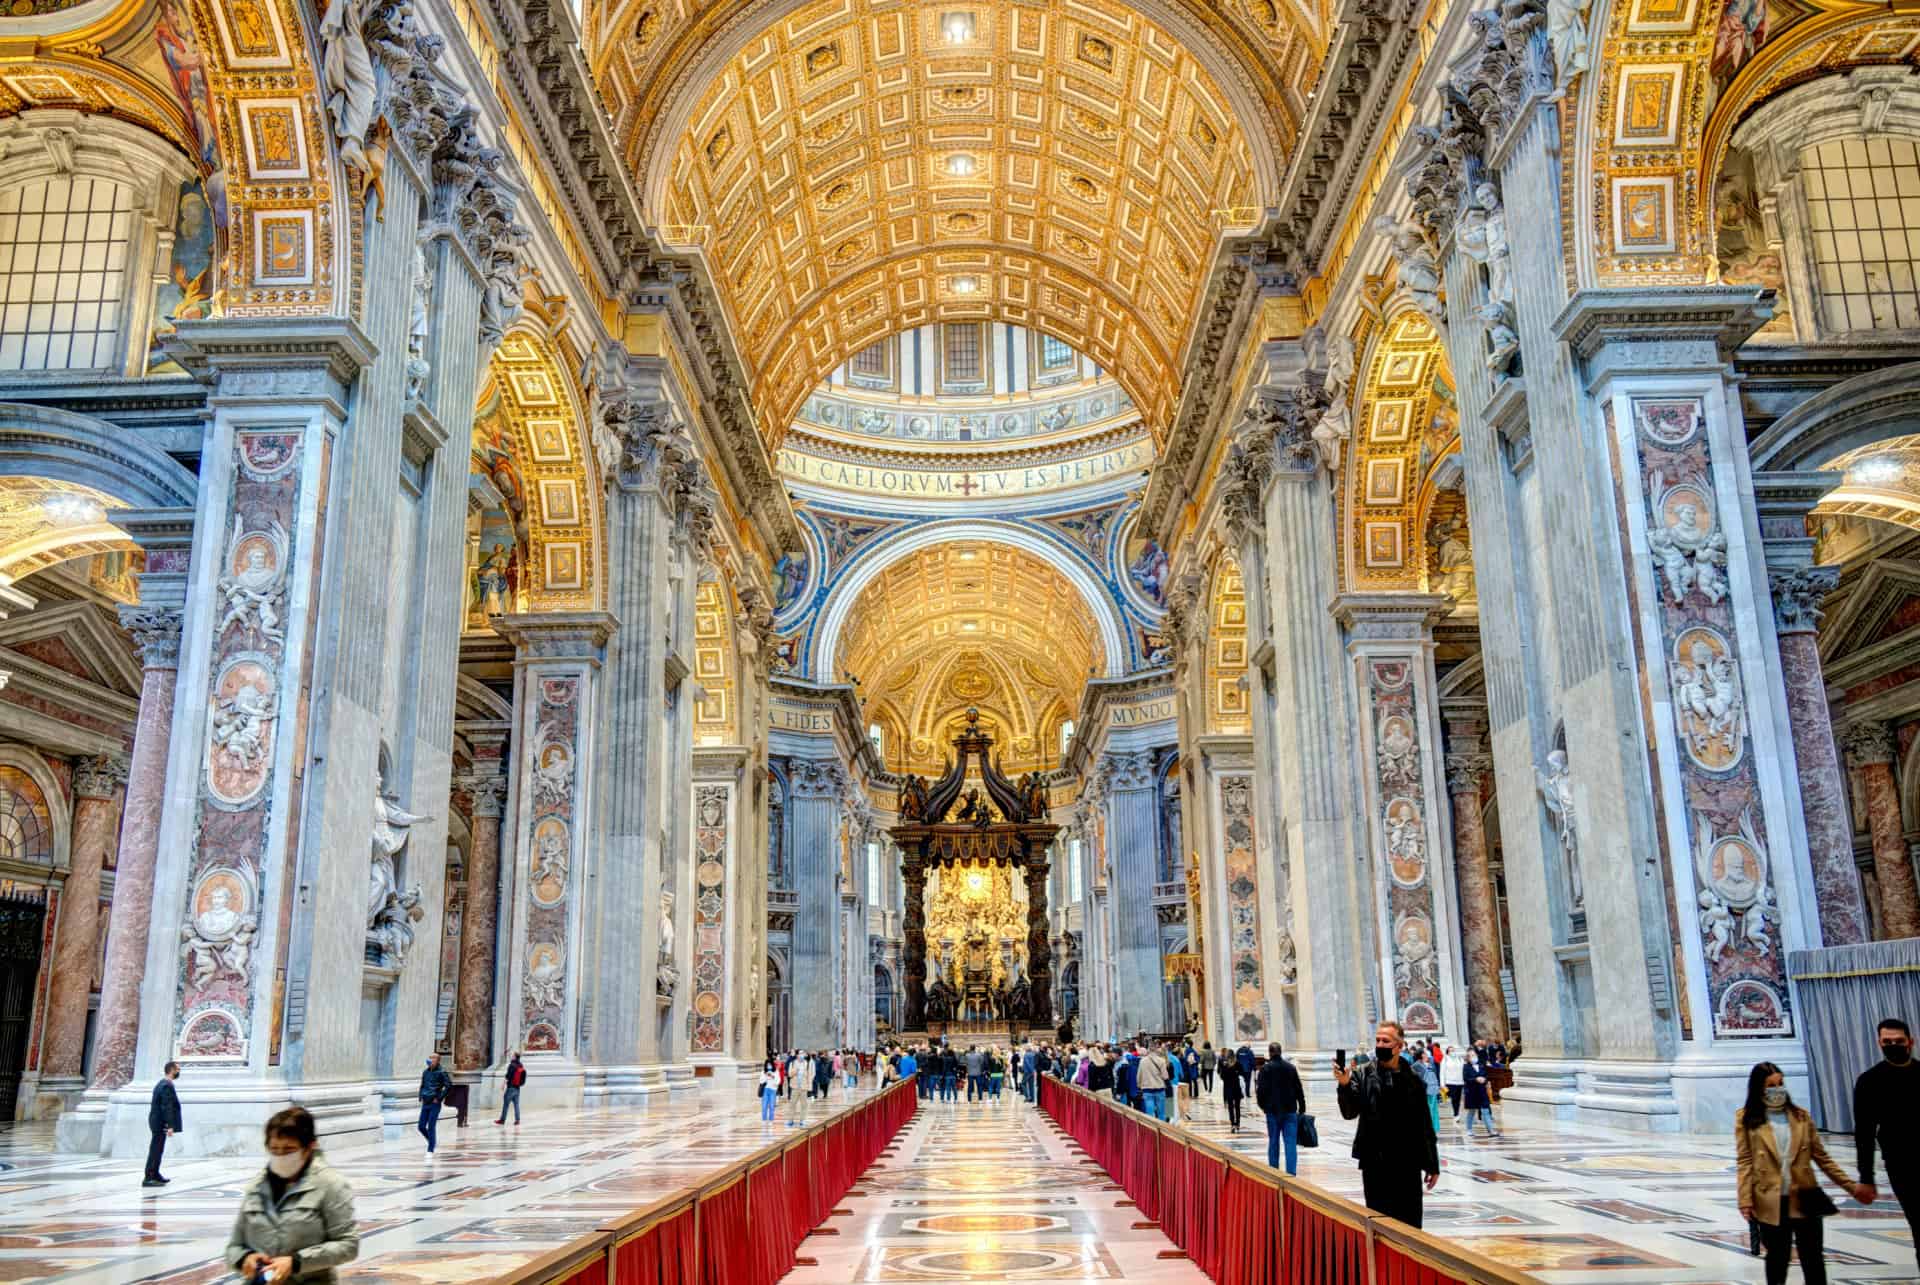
x: 296, y: 1222
x: 1777, y: 1147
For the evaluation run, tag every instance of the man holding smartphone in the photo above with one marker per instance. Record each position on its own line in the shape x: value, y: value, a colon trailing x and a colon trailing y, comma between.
x: 1395, y: 1143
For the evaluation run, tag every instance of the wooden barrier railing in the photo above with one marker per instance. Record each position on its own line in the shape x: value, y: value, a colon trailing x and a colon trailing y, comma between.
x: 1245, y: 1224
x: 742, y: 1225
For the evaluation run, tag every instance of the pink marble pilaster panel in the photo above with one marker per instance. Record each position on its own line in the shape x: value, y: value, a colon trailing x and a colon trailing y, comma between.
x: 1479, y: 928
x: 1871, y: 745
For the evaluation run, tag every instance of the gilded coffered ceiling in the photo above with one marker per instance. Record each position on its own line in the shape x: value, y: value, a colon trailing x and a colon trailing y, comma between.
x: 44, y: 521
x: 970, y: 623
x: 858, y: 167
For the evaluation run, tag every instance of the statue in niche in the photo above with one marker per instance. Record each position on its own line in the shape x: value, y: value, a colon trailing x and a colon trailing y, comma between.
x: 1481, y: 234
x: 1555, y: 782
x: 1454, y: 559
x: 1683, y: 539
x: 346, y: 77
x: 1336, y: 422
x: 417, y: 366
x: 390, y: 911
x: 1503, y: 341
x: 668, y: 976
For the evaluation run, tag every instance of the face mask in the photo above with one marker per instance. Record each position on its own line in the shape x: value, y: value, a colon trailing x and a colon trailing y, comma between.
x: 286, y: 1166
x: 1776, y: 1097
x: 1383, y: 1052
x: 1896, y: 1053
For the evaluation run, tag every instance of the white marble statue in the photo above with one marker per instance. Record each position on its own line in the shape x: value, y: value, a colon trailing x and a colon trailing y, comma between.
x: 666, y: 924
x: 1712, y: 707
x: 1716, y: 925
x: 1419, y: 267
x: 1336, y: 423
x: 552, y: 766
x: 1691, y: 553
x: 240, y: 722
x: 1481, y: 234
x: 346, y: 77
x: 546, y: 981
x: 1503, y: 341
x: 1455, y: 562
x: 1567, y: 37
x: 392, y: 928
x: 390, y: 825
x: 417, y: 367
x: 1555, y: 782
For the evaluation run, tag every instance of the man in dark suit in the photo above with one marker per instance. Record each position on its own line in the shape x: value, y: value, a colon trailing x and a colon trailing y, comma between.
x: 1395, y: 1144
x: 163, y: 1121
x: 1283, y: 1100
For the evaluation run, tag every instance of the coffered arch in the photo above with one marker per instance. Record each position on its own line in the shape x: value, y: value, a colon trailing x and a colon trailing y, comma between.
x: 859, y: 166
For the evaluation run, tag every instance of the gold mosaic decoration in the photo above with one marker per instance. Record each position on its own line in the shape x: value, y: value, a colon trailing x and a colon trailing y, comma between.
x: 1379, y: 490
x: 970, y: 623
x: 211, y: 75
x: 1227, y: 699
x: 715, y: 716
x: 533, y: 401
x: 855, y: 172
x: 1673, y: 77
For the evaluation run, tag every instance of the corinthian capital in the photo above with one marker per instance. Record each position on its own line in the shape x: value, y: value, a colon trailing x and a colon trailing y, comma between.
x: 156, y: 630
x: 640, y: 443
x: 99, y: 777
x: 488, y: 793
x: 816, y: 778
x: 1467, y: 772
x: 1869, y: 743
x: 1127, y: 771
x: 1798, y: 596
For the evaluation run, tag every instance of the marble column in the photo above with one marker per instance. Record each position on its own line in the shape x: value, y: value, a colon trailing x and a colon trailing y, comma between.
x: 473, y: 1025
x: 815, y: 789
x: 1797, y: 596
x: 1133, y: 820
x: 1468, y: 770
x: 913, y: 875
x: 116, y: 1030
x: 96, y: 827
x: 1870, y: 746
x: 1039, y: 956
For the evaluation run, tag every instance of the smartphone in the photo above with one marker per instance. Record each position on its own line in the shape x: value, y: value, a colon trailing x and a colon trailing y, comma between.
x: 1340, y: 1058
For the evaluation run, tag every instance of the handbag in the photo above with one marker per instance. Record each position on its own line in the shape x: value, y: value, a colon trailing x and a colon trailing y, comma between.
x: 1305, y: 1132
x: 1816, y: 1203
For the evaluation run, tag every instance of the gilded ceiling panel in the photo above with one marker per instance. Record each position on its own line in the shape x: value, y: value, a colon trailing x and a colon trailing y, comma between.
x: 860, y: 167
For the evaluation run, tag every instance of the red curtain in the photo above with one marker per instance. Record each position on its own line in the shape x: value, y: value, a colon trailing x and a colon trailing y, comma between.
x: 1205, y: 1176
x: 1249, y: 1230
x: 662, y: 1255
x: 1171, y: 1165
x: 592, y: 1272
x: 1322, y: 1249
x: 1394, y: 1267
x: 726, y: 1251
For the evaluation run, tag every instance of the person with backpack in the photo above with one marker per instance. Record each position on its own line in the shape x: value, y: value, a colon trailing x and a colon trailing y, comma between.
x: 516, y: 1076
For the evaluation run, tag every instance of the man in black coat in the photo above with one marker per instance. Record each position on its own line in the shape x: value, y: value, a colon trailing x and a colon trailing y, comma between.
x: 435, y: 1084
x: 163, y: 1121
x: 1395, y: 1144
x: 1283, y: 1100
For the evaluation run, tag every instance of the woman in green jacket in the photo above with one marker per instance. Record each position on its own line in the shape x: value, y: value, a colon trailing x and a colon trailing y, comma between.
x: 296, y: 1222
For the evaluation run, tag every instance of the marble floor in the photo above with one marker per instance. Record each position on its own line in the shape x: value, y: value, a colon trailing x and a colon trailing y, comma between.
x: 490, y: 1199
x: 981, y: 1192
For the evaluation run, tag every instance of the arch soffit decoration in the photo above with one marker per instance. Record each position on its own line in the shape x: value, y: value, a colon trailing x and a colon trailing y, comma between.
x: 1654, y: 119
x: 1227, y: 700
x: 1400, y: 423
x: 540, y: 404
x: 46, y: 453
x: 816, y: 159
x: 232, y: 83
x: 1852, y: 414
x: 1879, y: 481
x: 59, y: 810
x: 831, y: 621
x: 716, y: 715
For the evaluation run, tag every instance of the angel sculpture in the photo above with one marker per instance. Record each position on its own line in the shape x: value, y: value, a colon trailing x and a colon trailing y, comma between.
x: 1716, y: 925
x: 1418, y: 266
x: 390, y: 825
x: 1555, y: 783
x: 252, y: 590
x: 1691, y: 553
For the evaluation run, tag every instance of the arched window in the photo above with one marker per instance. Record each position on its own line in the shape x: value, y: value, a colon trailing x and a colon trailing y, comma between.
x: 1066, y: 736
x: 1075, y: 879
x: 1863, y: 208
x: 63, y: 273
x: 873, y: 872
x: 879, y: 739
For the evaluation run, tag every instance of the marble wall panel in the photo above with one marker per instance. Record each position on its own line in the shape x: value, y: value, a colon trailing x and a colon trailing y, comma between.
x: 712, y: 808
x: 553, y: 858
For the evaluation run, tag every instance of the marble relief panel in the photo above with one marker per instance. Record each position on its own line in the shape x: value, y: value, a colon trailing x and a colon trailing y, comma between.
x: 1735, y: 911
x: 712, y: 805
x: 215, y: 997
x: 550, y: 860
x: 1410, y: 918
x: 1243, y: 908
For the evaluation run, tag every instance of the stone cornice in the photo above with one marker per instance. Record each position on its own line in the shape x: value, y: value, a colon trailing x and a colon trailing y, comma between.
x: 1220, y: 327
x: 964, y: 455
x: 1660, y: 328
x: 1090, y: 720
x: 335, y: 346
x: 557, y: 635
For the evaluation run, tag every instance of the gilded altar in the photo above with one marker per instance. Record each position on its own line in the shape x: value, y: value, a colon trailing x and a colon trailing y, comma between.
x: 976, y: 908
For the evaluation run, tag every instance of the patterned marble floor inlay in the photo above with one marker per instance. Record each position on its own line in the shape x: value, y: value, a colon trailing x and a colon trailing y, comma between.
x: 491, y: 1200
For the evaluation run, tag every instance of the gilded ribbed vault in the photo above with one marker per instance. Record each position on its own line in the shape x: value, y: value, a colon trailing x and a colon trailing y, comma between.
x: 863, y: 166
x: 970, y: 624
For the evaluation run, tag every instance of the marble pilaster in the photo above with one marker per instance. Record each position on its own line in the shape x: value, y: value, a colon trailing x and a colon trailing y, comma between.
x: 76, y: 941
x: 1390, y: 639
x: 1131, y: 839
x: 479, y: 929
x: 555, y: 787
x: 1870, y: 746
x: 815, y: 789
